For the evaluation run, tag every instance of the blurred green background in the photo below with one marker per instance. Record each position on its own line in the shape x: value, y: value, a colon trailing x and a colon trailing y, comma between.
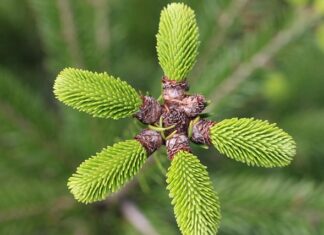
x: 262, y: 59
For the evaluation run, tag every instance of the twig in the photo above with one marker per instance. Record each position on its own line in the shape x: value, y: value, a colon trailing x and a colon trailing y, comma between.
x: 305, y: 19
x: 136, y: 218
x: 102, y: 27
x: 69, y: 31
x: 129, y: 210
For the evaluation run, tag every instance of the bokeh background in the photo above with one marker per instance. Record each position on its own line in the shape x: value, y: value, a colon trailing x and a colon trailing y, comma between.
x: 262, y: 59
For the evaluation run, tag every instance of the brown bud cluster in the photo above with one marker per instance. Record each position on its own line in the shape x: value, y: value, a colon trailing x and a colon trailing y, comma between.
x: 170, y: 121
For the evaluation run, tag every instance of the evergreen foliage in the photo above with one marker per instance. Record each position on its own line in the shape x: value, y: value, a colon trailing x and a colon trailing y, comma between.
x: 196, y: 205
x: 26, y: 104
x: 177, y: 41
x: 49, y: 21
x: 98, y: 94
x: 300, y: 199
x: 254, y: 142
x: 107, y: 172
x: 41, y: 142
x: 71, y: 33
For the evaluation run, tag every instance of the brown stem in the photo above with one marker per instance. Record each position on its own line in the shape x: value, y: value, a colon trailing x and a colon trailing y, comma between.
x: 136, y: 218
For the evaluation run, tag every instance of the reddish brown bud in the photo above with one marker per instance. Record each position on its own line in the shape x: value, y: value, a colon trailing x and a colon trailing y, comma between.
x: 173, y: 90
x: 174, y: 115
x: 150, y: 110
x: 200, y: 132
x: 177, y: 143
x: 150, y: 140
x: 193, y: 105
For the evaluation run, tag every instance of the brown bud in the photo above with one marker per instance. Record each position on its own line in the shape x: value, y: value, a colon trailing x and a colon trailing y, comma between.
x: 200, y: 132
x: 174, y: 115
x: 177, y: 143
x: 173, y: 90
x: 150, y: 110
x: 193, y: 105
x: 151, y: 140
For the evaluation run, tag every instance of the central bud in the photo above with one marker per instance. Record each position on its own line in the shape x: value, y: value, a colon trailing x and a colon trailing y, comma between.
x: 173, y: 115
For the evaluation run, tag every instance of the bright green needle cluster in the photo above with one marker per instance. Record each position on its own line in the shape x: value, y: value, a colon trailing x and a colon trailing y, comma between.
x: 253, y: 142
x: 108, y: 171
x: 98, y: 94
x: 196, y: 205
x: 177, y: 41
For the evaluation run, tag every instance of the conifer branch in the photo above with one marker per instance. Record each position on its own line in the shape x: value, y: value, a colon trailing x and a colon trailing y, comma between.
x: 48, y: 21
x: 254, y: 142
x: 177, y: 41
x: 28, y: 115
x: 69, y: 31
x: 26, y: 107
x: 102, y: 28
x: 296, y: 204
x: 98, y: 94
x: 225, y: 20
x: 108, y: 171
x: 196, y: 205
x: 302, y: 22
